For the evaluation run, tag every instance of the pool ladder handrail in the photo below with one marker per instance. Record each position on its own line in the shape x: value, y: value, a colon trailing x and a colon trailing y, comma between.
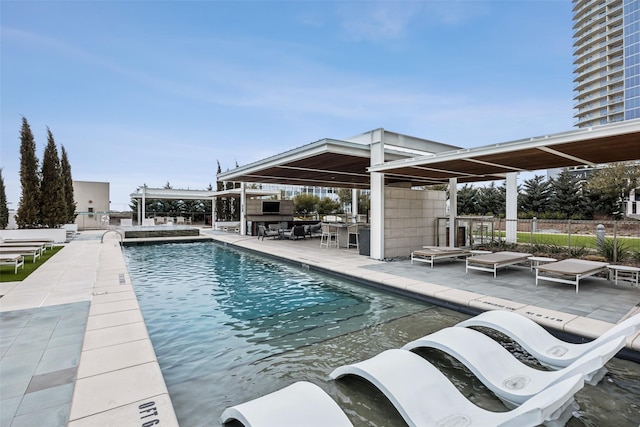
x: 115, y: 231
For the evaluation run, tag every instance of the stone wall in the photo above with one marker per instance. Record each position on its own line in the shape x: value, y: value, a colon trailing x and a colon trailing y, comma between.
x: 410, y: 219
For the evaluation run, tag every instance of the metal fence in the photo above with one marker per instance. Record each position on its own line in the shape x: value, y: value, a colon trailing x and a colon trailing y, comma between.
x: 616, y: 241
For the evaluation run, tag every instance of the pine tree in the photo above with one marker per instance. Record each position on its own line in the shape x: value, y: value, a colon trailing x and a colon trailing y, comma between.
x: 566, y: 197
x: 535, y: 196
x: 4, y: 210
x: 28, y: 214
x: 68, y: 187
x: 53, y: 208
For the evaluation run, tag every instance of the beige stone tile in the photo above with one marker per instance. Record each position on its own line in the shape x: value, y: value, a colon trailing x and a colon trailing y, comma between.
x: 425, y: 288
x: 153, y: 408
x: 109, y: 391
x: 114, y: 319
x: 401, y: 282
x: 589, y: 328
x: 546, y: 317
x: 113, y: 307
x: 458, y: 296
x: 111, y: 288
x: 494, y: 303
x: 115, y: 357
x: 104, y: 337
x: 101, y: 297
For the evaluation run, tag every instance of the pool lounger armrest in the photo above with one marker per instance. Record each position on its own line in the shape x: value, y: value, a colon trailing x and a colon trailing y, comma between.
x: 425, y: 397
x: 300, y: 404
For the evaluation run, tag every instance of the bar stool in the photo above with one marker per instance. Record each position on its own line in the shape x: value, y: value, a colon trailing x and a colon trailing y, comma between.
x: 329, y: 236
x: 353, y: 230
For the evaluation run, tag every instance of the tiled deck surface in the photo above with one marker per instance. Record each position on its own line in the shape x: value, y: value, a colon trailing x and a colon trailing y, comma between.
x: 75, y: 350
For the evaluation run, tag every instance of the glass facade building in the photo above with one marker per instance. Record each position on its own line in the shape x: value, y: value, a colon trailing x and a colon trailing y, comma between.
x: 606, y: 61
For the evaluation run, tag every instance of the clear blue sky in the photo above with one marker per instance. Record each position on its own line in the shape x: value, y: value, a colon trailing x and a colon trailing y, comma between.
x: 150, y: 92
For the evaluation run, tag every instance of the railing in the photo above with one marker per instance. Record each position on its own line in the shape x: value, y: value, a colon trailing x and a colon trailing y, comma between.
x: 112, y: 231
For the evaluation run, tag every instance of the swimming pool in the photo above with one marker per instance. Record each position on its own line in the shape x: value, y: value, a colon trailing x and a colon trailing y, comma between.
x: 228, y: 326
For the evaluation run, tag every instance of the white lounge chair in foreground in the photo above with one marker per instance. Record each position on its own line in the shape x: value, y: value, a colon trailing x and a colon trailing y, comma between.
x: 300, y: 404
x: 510, y: 380
x: 549, y: 350
x: 425, y: 397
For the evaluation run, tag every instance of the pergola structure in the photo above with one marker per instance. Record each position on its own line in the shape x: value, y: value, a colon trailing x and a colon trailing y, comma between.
x: 379, y: 158
x: 145, y: 192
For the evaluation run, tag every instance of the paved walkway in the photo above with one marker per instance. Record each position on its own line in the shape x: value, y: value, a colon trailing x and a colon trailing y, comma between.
x: 75, y: 350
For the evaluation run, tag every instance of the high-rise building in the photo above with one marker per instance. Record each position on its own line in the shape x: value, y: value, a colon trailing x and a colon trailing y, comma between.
x: 607, y: 61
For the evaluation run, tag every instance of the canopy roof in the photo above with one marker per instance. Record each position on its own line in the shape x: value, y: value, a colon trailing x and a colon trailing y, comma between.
x: 332, y: 162
x: 346, y: 164
x: 598, y: 145
x: 174, y: 194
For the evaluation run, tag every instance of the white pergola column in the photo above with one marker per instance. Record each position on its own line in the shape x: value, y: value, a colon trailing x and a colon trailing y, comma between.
x: 512, y: 207
x: 453, y: 210
x: 243, y: 209
x: 213, y: 212
x: 144, y: 204
x: 377, y: 197
x: 354, y: 204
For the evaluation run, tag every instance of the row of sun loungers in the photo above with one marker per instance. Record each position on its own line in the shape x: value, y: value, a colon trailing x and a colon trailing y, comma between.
x: 423, y: 396
x: 568, y: 271
x: 13, y: 251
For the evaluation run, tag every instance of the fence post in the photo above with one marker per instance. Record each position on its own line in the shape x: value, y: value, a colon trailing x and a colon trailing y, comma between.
x: 600, y: 237
x: 534, y: 228
x: 615, y: 241
x: 569, y: 234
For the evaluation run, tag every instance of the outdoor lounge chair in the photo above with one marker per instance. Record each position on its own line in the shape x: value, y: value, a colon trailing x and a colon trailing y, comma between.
x: 425, y: 397
x: 47, y: 243
x: 313, y: 230
x: 32, y: 251
x: 300, y: 404
x: 295, y: 232
x: 264, y: 232
x: 512, y: 381
x: 16, y: 260
x: 549, y: 350
x: 491, y: 262
x: 431, y: 254
x: 569, y: 271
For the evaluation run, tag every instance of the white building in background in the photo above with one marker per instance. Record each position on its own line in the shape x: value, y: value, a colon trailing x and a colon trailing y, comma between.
x: 92, y: 204
x: 607, y: 61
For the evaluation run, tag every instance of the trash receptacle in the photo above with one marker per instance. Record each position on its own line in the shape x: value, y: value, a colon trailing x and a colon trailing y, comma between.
x: 364, y: 241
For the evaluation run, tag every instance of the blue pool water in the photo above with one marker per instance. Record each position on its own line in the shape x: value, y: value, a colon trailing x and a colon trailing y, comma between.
x: 228, y: 326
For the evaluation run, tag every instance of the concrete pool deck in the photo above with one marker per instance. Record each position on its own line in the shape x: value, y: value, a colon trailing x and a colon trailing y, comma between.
x: 75, y: 349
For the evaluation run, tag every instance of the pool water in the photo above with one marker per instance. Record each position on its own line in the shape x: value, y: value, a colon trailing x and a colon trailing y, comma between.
x: 229, y: 326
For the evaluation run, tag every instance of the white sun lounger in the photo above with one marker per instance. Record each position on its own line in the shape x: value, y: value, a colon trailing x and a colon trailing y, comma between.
x: 512, y: 381
x: 549, y: 350
x: 491, y: 262
x: 569, y: 271
x: 300, y: 404
x: 425, y: 397
x: 16, y: 260
x: 431, y: 254
x: 32, y: 251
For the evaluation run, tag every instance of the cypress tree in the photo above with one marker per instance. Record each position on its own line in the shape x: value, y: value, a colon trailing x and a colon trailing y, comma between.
x: 28, y: 215
x: 68, y: 187
x: 220, y: 211
x: 4, y: 210
x: 53, y: 208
